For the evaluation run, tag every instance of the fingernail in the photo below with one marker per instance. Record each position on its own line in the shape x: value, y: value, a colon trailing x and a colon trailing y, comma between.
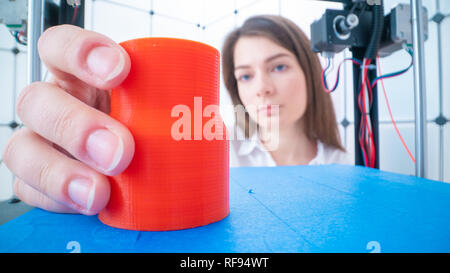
x: 105, y: 149
x: 105, y: 62
x: 81, y: 192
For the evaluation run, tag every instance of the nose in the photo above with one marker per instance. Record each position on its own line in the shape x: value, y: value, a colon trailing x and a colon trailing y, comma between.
x: 265, y: 86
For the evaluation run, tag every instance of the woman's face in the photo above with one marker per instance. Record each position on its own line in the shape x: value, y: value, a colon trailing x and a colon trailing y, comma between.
x: 267, y: 75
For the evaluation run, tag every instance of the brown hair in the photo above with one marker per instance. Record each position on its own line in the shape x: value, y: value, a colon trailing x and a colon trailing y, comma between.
x: 319, y: 118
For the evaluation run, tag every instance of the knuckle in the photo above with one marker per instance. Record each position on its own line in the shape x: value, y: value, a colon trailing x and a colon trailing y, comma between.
x: 22, y: 192
x: 62, y: 35
x: 70, y: 48
x: 42, y: 201
x: 10, y: 147
x: 25, y: 96
x: 64, y: 123
x: 8, y: 150
x: 48, y: 34
x: 17, y: 189
x: 73, y: 47
x: 43, y: 176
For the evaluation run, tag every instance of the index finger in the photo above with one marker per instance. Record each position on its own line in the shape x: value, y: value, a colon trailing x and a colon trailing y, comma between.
x: 70, y: 51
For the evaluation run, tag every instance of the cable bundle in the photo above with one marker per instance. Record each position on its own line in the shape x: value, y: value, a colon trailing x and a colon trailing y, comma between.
x: 170, y: 184
x: 365, y: 136
x: 395, y: 74
x: 336, y: 83
x: 19, y: 37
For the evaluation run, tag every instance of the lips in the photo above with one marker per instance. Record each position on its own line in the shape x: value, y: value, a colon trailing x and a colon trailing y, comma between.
x: 267, y: 108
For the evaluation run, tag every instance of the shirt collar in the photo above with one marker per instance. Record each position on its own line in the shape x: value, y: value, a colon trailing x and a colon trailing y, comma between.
x: 319, y: 155
x: 248, y: 145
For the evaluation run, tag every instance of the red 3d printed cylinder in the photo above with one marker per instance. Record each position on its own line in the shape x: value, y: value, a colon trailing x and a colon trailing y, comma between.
x: 178, y: 177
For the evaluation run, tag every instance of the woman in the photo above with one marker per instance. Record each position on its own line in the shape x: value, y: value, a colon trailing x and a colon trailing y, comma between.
x: 268, y: 68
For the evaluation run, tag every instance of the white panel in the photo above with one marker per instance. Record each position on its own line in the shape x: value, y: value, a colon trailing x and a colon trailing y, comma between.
x: 140, y: 4
x: 216, y: 10
x: 190, y: 11
x: 446, y: 64
x: 215, y: 34
x: 430, y: 5
x: 399, y: 90
x: 347, y: 88
x: 444, y: 5
x: 349, y: 140
x: 246, y: 3
x: 337, y: 96
x: 247, y: 9
x: 168, y: 27
x: 393, y: 155
x: 6, y: 86
x: 447, y: 153
x: 88, y: 14
x: 433, y: 151
x: 119, y: 23
x: 305, y: 12
x: 6, y: 39
x: 431, y: 72
x: 5, y: 175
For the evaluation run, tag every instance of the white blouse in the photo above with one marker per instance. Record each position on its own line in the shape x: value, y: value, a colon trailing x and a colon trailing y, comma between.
x: 251, y: 152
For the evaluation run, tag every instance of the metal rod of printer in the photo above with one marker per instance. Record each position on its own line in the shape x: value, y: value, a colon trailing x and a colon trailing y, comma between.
x: 419, y: 88
x: 34, y: 29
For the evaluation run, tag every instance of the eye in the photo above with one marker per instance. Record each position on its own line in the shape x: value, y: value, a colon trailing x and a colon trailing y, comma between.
x: 244, y: 78
x: 280, y: 67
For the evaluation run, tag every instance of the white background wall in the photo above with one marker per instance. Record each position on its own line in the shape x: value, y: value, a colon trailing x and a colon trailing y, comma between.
x: 208, y: 21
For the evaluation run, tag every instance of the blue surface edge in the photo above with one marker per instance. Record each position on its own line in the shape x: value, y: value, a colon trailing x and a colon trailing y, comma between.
x: 327, y: 208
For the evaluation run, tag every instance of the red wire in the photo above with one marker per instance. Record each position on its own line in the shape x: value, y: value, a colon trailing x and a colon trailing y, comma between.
x: 337, y: 75
x: 364, y: 121
x: 19, y: 36
x: 390, y: 114
x: 361, y: 132
x: 375, y: 83
x: 365, y: 138
x: 371, y: 143
x: 75, y: 11
x: 366, y: 141
x: 364, y: 105
x: 323, y: 82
